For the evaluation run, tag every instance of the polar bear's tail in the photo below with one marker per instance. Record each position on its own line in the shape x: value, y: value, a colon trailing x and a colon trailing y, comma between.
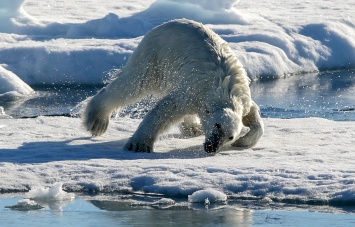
x: 96, y: 115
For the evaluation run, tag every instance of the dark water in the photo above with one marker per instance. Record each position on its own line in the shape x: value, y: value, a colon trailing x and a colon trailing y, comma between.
x: 328, y: 95
x: 89, y: 211
x: 49, y: 101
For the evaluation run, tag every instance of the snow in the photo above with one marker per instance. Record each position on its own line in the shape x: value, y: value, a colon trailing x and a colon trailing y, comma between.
x: 164, y: 201
x: 53, y: 198
x: 53, y: 193
x: 12, y: 86
x: 207, y: 196
x: 307, y: 160
x: 80, y: 42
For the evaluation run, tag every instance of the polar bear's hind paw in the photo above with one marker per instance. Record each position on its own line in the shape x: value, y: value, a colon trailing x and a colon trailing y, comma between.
x: 95, y: 124
x: 99, y: 127
x: 190, y: 131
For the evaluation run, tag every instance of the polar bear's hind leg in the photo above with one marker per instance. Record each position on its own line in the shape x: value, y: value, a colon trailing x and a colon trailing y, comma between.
x: 191, y: 126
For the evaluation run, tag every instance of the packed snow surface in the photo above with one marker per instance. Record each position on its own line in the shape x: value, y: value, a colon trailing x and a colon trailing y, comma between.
x: 299, y: 160
x: 79, y: 42
x: 59, y: 42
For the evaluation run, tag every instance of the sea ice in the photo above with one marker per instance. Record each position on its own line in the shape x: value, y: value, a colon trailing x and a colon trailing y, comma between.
x: 11, y: 86
x: 44, y: 51
x: 53, y: 193
x: 207, y: 196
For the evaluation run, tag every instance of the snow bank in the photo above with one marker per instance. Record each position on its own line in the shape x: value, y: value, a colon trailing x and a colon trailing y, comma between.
x: 63, y: 61
x: 207, y: 12
x: 267, y: 43
x: 319, y: 169
x: 275, y: 51
x: 13, y: 16
x: 337, y: 38
x: 11, y: 86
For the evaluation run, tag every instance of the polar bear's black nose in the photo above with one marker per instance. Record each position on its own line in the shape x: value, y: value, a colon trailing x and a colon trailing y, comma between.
x: 211, y: 147
x: 215, y: 139
x: 231, y: 137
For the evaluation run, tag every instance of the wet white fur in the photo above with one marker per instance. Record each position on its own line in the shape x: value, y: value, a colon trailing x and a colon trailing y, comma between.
x: 194, y: 72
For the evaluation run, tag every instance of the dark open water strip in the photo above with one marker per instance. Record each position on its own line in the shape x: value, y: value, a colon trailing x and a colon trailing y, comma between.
x: 329, y: 95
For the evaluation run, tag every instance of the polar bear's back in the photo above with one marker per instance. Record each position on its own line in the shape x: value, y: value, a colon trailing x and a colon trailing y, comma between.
x: 174, y: 51
x: 183, y: 33
x: 185, y: 56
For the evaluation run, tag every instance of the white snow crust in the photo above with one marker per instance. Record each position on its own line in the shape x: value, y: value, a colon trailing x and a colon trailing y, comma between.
x: 302, y: 160
x: 57, y: 42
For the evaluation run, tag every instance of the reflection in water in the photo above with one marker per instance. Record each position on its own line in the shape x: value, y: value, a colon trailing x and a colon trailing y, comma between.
x: 48, y: 101
x: 54, y: 205
x: 328, y: 95
x: 33, y: 204
x: 143, y: 211
x: 228, y: 217
x: 146, y: 215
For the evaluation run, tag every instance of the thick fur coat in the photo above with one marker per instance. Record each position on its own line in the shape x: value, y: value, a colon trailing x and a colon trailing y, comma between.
x: 197, y: 77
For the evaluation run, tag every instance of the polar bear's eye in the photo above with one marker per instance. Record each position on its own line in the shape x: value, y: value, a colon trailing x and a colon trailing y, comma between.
x: 208, y: 112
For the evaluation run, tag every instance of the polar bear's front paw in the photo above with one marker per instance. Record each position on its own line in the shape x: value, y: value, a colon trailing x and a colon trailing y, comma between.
x: 138, y: 147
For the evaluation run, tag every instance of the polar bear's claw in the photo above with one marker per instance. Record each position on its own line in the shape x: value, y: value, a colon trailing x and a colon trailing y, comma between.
x: 96, y: 125
x: 99, y: 127
x: 138, y: 147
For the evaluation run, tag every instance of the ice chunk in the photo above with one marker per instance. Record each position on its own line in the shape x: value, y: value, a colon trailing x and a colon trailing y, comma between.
x: 25, y: 205
x: 12, y: 86
x: 54, y: 193
x: 164, y: 201
x: 3, y: 115
x: 210, y: 195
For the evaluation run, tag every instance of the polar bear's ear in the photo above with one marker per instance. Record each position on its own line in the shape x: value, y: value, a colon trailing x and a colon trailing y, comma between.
x: 244, y: 131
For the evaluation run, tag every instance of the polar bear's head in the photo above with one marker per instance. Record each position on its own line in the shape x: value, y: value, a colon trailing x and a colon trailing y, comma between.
x: 221, y: 127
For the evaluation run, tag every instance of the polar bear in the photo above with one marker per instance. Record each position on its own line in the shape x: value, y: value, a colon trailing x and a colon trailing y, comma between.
x: 197, y: 78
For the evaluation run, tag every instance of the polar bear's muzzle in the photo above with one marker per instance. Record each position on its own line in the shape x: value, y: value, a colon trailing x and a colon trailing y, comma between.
x: 215, y: 139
